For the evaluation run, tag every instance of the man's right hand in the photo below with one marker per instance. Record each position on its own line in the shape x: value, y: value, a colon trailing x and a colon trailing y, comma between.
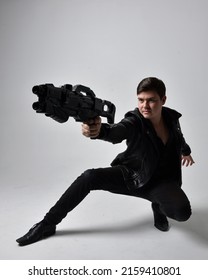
x: 92, y: 127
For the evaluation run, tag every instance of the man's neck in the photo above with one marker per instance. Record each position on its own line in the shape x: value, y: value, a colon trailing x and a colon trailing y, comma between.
x: 157, y: 122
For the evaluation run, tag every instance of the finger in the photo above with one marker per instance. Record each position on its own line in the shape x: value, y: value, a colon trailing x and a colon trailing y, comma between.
x: 183, y: 160
x: 192, y: 162
x: 90, y: 131
x: 85, y: 127
x: 97, y: 120
x: 89, y: 122
x: 94, y: 127
x: 93, y: 135
x: 85, y: 130
x: 187, y: 162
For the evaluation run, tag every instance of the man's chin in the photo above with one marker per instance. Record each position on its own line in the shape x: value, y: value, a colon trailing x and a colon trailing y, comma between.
x: 146, y: 115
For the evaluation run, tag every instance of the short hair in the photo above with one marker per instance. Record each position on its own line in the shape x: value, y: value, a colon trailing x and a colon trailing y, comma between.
x: 153, y: 84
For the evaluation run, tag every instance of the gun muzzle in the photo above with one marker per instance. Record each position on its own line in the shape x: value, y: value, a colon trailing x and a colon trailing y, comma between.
x: 36, y: 106
x: 39, y: 90
x: 35, y: 90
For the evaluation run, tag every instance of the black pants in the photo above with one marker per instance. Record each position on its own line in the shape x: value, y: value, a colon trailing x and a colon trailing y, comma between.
x: 172, y: 200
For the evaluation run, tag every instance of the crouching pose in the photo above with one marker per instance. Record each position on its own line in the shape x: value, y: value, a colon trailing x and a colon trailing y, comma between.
x: 149, y: 168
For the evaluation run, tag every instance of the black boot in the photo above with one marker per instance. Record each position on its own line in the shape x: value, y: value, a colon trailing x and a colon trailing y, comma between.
x: 160, y: 220
x: 37, y: 232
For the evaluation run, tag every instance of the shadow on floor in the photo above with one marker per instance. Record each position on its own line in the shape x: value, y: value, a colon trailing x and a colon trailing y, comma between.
x: 196, y: 227
x: 133, y: 227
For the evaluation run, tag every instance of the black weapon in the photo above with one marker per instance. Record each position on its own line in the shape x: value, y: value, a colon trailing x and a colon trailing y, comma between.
x: 66, y: 101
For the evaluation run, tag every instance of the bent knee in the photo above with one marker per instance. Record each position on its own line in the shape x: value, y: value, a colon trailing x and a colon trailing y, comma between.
x: 90, y: 178
x: 88, y: 175
x: 180, y: 213
x: 183, y: 214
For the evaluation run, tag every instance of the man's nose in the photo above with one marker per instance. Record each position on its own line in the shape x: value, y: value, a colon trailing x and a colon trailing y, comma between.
x: 146, y: 104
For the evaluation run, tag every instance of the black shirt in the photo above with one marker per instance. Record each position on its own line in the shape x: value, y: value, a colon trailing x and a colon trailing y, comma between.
x: 167, y: 165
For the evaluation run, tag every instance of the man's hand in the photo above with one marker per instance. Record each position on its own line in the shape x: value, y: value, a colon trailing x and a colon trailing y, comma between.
x: 187, y: 160
x: 92, y: 127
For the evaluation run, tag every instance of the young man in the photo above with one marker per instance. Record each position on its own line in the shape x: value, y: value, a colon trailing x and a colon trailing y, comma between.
x: 149, y: 168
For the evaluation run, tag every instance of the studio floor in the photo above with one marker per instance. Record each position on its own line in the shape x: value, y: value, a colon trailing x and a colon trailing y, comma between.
x: 103, y: 226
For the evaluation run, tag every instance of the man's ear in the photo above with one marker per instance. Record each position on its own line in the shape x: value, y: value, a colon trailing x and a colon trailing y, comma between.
x: 164, y: 99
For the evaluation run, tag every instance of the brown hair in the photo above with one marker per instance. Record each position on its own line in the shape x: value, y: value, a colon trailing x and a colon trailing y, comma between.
x: 154, y: 84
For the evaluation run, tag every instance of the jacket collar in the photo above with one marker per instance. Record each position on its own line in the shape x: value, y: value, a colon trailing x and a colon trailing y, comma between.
x: 172, y: 114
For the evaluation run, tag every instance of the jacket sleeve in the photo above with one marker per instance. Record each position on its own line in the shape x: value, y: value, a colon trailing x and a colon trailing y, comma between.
x: 116, y: 133
x: 185, y: 148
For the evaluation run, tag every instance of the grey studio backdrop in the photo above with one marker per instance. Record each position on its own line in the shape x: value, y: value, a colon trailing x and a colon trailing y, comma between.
x: 109, y: 46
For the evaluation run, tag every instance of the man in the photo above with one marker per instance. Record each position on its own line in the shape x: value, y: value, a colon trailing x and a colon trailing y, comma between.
x: 149, y: 168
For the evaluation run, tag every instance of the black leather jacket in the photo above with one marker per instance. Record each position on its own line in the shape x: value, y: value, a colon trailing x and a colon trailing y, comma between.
x: 140, y: 160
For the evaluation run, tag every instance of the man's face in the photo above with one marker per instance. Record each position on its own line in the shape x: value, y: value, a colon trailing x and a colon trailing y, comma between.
x: 150, y: 105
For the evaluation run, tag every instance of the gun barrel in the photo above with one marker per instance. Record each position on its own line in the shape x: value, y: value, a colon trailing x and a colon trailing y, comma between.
x: 35, y: 89
x: 36, y: 106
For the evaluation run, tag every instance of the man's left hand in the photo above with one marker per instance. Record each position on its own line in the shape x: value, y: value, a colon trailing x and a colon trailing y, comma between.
x: 187, y: 160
